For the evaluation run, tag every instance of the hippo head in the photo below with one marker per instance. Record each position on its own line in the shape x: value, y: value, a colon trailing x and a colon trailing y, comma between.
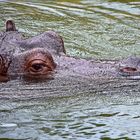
x: 35, y: 63
x: 33, y: 57
x: 16, y: 56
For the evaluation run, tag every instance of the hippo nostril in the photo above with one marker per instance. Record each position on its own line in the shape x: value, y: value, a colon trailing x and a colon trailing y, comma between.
x: 129, y: 69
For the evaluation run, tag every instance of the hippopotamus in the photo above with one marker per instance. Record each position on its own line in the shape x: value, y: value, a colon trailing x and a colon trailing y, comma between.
x: 44, y: 55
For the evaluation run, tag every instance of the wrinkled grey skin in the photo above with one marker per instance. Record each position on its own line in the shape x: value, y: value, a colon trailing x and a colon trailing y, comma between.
x: 14, y: 49
x: 17, y: 47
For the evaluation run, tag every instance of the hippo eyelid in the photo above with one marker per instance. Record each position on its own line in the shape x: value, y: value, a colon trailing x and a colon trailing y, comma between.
x: 43, y: 63
x: 38, y: 67
x: 36, y: 60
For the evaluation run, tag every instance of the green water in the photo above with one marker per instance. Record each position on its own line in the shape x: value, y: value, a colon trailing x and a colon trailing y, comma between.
x: 73, y: 108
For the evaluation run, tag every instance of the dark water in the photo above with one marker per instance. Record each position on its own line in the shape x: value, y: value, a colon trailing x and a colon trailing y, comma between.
x: 75, y: 108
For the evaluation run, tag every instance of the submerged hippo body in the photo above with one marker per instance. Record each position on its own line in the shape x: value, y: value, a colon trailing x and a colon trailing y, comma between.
x: 45, y: 55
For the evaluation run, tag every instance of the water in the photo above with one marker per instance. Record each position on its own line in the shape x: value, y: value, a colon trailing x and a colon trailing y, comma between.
x: 75, y: 108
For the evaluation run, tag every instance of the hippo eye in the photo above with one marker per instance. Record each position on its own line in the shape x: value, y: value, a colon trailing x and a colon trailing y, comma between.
x: 37, y: 67
x: 38, y: 63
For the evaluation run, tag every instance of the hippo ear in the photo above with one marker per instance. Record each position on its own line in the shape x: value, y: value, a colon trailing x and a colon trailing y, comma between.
x: 10, y: 26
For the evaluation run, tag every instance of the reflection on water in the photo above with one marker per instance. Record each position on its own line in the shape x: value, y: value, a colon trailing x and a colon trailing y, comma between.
x: 85, y: 116
x: 74, y: 107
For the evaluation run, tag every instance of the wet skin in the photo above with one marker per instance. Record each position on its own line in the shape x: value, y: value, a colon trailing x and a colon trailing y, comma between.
x: 45, y: 55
